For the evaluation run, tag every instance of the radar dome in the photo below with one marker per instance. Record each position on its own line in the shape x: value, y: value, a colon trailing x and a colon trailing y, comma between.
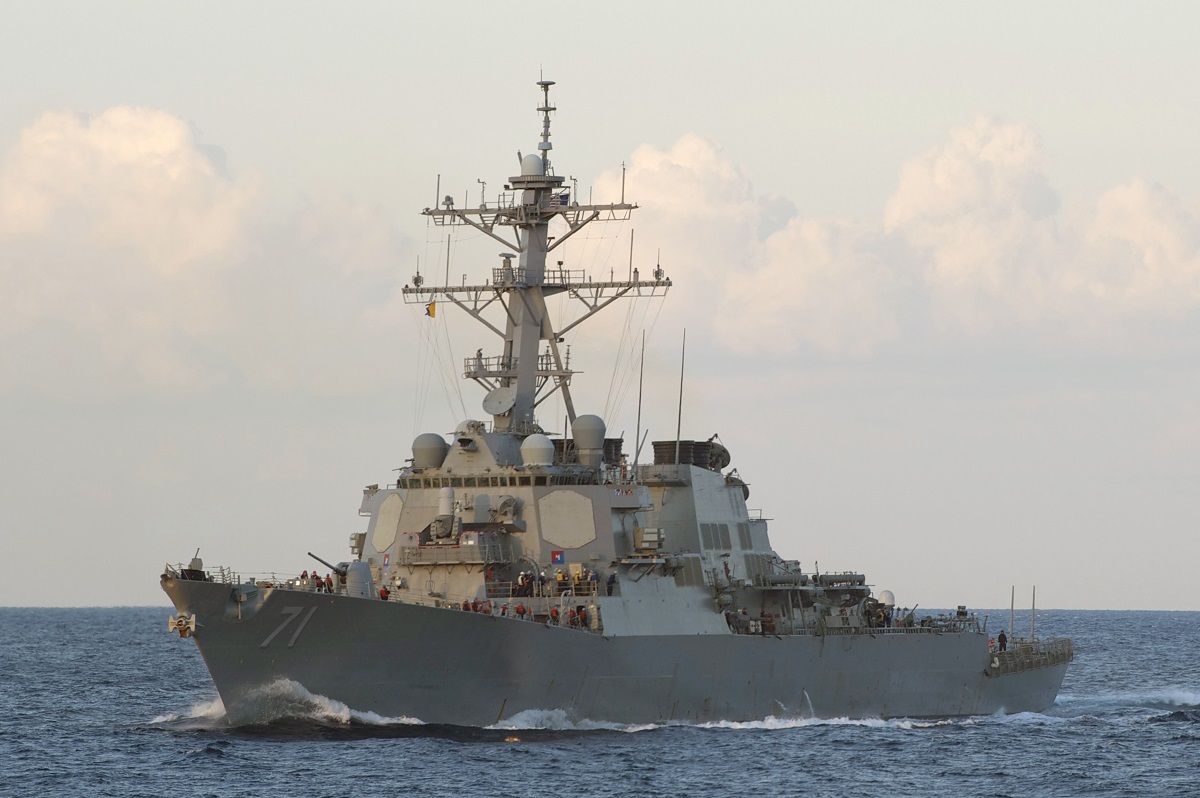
x: 429, y: 450
x: 887, y: 598
x: 531, y: 165
x: 588, y: 432
x: 537, y: 449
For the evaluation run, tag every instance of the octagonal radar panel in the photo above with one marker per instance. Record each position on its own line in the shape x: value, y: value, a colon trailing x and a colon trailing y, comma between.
x: 500, y: 400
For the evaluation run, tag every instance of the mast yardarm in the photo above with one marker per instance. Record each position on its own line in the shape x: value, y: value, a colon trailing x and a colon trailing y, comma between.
x: 524, y: 373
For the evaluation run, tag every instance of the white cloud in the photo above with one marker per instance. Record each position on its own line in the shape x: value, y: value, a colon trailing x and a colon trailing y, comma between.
x: 117, y: 228
x: 1141, y: 252
x: 698, y: 207
x: 821, y: 282
x: 977, y: 213
x: 130, y: 260
x: 973, y: 241
x: 128, y: 257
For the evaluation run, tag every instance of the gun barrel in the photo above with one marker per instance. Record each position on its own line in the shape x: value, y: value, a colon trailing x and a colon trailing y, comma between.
x: 334, y: 568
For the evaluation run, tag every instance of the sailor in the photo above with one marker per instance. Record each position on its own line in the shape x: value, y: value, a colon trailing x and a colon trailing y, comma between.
x: 571, y: 621
x: 554, y: 615
x: 384, y: 593
x: 1003, y: 641
x: 521, y: 611
x: 466, y: 606
x: 582, y: 616
x: 304, y: 576
x: 328, y: 583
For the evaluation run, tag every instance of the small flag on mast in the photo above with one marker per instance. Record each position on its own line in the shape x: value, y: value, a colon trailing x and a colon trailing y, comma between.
x: 431, y: 310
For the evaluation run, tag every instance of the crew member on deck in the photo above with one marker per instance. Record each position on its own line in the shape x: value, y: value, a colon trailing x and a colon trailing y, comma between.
x: 1002, y: 641
x: 384, y: 593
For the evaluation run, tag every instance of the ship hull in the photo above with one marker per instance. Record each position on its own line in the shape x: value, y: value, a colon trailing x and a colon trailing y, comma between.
x: 446, y: 666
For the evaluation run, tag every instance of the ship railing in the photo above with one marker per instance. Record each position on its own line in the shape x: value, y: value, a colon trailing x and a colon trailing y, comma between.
x: 546, y: 609
x: 1024, y: 655
x: 505, y: 276
x: 551, y: 588
x: 483, y: 552
x: 664, y: 473
x: 852, y: 625
x: 223, y: 575
x: 491, y: 366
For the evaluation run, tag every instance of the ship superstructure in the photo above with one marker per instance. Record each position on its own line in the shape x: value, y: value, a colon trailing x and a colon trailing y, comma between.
x: 522, y: 570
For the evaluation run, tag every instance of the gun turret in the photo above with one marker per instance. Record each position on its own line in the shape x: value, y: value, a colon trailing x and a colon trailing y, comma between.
x: 339, y: 570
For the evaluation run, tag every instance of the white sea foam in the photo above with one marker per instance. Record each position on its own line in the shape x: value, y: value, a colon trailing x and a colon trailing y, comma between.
x: 286, y: 699
x: 282, y: 699
x: 1028, y: 719
x: 205, y: 713
x: 1163, y: 698
x: 558, y: 720
x: 772, y: 723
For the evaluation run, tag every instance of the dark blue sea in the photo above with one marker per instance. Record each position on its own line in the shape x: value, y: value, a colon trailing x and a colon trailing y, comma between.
x: 105, y: 702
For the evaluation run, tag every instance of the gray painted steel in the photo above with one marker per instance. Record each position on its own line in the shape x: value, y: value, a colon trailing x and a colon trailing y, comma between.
x: 448, y: 666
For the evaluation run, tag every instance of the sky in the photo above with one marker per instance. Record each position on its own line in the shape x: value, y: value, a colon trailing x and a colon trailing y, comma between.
x: 938, y: 267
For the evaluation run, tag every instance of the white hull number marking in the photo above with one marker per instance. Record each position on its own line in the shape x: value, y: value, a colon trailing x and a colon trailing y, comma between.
x: 292, y: 614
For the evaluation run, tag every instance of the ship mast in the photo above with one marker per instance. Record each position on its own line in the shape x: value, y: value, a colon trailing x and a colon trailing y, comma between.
x: 524, y: 375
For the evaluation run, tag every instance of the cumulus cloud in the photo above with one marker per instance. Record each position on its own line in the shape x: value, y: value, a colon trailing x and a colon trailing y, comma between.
x: 1141, y: 252
x: 973, y: 242
x: 130, y: 259
x: 696, y: 200
x: 978, y: 214
x: 772, y: 280
x: 117, y: 228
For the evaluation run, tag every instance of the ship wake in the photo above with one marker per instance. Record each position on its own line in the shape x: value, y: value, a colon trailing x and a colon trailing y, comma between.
x: 280, y: 704
x: 286, y: 709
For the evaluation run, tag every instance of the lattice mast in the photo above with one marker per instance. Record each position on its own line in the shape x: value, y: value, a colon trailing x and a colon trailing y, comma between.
x: 524, y: 374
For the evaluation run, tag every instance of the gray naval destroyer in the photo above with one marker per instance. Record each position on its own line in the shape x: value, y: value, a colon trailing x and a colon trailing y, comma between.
x: 520, y: 570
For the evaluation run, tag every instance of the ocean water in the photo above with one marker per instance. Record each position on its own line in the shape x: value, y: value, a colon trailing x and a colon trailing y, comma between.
x: 105, y: 702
